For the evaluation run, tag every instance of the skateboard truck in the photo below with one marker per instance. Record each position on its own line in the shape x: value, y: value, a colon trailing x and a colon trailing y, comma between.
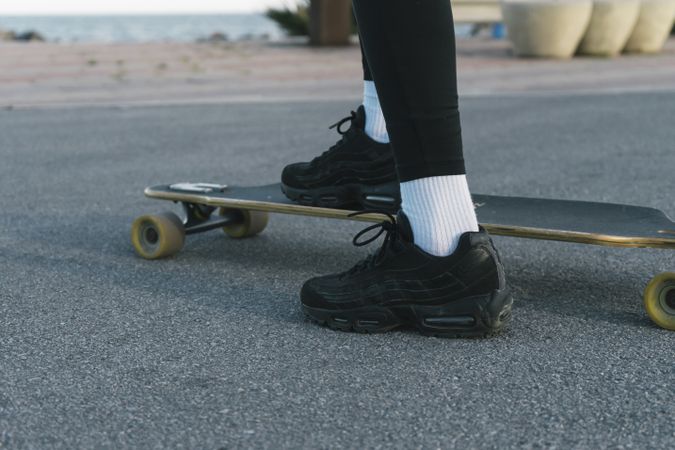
x: 199, y: 218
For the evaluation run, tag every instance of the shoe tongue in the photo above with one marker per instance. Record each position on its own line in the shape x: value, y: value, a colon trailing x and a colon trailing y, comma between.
x: 359, y: 121
x: 404, y: 228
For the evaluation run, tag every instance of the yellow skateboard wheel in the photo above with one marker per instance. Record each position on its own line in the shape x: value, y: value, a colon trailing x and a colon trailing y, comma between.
x: 251, y: 223
x: 659, y: 300
x: 157, y: 235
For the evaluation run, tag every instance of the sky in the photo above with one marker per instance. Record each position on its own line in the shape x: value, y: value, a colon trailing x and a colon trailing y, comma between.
x: 134, y: 6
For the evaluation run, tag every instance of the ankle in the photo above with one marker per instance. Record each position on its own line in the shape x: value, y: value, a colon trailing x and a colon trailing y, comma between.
x: 439, y: 210
x: 375, y: 127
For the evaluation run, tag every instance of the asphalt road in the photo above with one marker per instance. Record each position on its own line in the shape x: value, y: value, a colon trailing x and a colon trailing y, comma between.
x: 100, y: 349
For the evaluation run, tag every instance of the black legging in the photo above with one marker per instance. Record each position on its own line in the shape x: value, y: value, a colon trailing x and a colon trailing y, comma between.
x: 409, y: 52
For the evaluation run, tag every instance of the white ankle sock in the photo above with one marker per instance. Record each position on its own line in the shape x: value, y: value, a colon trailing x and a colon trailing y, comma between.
x: 439, y: 209
x: 376, y: 127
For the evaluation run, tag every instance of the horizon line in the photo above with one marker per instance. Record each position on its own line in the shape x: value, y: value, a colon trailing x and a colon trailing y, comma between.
x: 127, y: 13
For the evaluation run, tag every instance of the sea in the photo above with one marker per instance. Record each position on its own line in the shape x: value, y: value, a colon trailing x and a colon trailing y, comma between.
x: 154, y: 28
x: 144, y: 28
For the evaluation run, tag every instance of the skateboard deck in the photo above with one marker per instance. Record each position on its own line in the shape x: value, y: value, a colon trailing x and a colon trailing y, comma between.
x: 535, y: 218
x: 243, y: 211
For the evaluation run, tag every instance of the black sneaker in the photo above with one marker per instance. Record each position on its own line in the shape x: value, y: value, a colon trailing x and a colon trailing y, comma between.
x: 461, y: 295
x: 356, y: 172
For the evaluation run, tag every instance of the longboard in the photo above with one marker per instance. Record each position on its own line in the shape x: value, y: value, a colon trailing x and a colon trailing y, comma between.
x: 243, y: 211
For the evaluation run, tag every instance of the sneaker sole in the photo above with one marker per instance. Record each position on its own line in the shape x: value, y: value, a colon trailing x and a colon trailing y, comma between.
x: 363, y: 196
x: 479, y: 316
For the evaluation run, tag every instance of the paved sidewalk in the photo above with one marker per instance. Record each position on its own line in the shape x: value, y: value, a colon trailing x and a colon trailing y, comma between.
x: 208, y: 350
x: 170, y: 73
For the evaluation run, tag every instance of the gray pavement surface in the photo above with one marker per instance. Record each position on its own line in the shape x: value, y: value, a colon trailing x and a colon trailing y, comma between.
x: 100, y: 349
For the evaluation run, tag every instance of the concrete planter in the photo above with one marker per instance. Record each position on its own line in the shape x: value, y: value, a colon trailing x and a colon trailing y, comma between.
x: 612, y: 23
x: 653, y: 26
x: 546, y: 28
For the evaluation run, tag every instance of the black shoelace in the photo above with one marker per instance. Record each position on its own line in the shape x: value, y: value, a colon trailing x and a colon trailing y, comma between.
x: 338, y: 125
x: 386, y: 226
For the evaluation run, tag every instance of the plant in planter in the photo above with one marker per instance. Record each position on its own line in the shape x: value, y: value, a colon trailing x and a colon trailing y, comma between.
x: 295, y: 22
